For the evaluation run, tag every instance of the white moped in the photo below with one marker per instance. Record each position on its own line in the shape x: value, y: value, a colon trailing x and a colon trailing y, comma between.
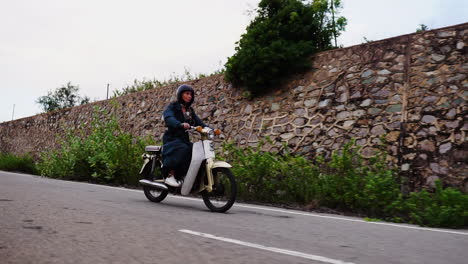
x: 206, y: 176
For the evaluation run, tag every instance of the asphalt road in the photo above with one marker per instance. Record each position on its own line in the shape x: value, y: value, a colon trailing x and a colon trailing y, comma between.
x: 51, y: 221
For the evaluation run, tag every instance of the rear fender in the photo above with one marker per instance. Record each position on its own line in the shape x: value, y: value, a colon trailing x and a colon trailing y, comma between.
x: 146, y: 162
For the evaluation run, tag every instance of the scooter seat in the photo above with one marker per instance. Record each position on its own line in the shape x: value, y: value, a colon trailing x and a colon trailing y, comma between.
x: 153, y: 148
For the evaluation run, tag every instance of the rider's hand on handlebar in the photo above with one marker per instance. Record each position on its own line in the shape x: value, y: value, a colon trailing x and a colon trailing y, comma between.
x: 185, y: 125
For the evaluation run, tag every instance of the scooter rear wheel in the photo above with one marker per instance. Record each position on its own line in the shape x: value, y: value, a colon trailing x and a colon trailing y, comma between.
x: 154, y: 195
x: 224, y: 191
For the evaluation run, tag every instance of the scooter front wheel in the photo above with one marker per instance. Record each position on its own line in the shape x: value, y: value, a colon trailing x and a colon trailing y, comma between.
x: 224, y: 191
x: 154, y: 195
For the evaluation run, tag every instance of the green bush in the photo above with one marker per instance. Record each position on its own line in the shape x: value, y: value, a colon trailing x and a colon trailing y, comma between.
x: 103, y: 154
x: 346, y: 182
x: 255, y: 171
x: 349, y: 183
x: 298, y: 179
x: 280, y: 40
x: 443, y: 208
x: 24, y: 163
x: 271, y: 177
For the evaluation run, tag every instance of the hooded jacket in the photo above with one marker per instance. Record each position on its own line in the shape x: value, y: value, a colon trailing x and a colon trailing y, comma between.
x: 174, y: 117
x: 177, y: 148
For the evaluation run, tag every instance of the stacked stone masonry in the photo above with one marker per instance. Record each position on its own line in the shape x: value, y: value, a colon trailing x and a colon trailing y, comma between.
x: 410, y: 90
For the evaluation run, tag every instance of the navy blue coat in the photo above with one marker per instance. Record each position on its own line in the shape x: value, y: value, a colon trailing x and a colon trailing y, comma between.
x: 177, y: 148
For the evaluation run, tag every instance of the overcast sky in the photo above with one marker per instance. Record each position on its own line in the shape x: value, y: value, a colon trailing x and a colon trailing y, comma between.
x: 46, y: 43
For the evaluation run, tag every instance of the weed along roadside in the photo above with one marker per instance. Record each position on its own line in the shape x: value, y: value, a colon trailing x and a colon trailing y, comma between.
x: 100, y: 152
x: 345, y: 182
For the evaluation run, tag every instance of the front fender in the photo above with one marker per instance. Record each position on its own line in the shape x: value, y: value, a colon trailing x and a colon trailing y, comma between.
x: 221, y: 164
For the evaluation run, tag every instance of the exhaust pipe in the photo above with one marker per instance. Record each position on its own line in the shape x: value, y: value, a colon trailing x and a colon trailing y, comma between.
x: 156, y: 185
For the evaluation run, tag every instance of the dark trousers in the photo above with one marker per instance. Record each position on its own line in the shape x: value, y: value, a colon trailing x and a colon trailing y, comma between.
x: 177, y: 155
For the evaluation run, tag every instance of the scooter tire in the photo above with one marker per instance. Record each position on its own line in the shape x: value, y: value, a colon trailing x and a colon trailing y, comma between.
x: 224, y: 204
x: 154, y: 195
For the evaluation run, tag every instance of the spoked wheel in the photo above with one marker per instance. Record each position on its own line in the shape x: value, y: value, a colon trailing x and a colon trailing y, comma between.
x: 153, y: 194
x: 224, y: 191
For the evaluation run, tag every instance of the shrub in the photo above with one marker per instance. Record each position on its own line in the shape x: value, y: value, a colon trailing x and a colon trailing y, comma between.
x: 11, y: 162
x: 272, y: 176
x: 280, y: 40
x: 346, y: 182
x: 255, y: 170
x: 106, y: 154
x: 443, y: 208
x: 350, y: 183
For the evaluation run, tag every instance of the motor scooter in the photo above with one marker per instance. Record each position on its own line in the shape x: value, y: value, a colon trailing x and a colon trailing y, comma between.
x: 210, y: 178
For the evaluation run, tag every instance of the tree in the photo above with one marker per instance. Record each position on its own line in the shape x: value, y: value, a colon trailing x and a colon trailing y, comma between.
x: 63, y: 97
x: 422, y: 28
x: 280, y: 40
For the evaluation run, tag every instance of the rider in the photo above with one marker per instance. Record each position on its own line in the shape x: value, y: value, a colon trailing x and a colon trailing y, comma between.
x: 177, y: 148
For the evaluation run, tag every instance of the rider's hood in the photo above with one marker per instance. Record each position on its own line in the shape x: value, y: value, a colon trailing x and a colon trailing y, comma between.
x: 180, y: 90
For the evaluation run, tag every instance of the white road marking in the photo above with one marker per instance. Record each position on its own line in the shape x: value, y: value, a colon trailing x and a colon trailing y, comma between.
x: 264, y: 208
x: 262, y: 247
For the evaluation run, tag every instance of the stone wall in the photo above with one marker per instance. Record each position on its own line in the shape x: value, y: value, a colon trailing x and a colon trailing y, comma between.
x: 410, y: 90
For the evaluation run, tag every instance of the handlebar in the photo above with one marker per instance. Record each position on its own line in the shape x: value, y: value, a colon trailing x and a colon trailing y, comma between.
x: 204, y: 130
